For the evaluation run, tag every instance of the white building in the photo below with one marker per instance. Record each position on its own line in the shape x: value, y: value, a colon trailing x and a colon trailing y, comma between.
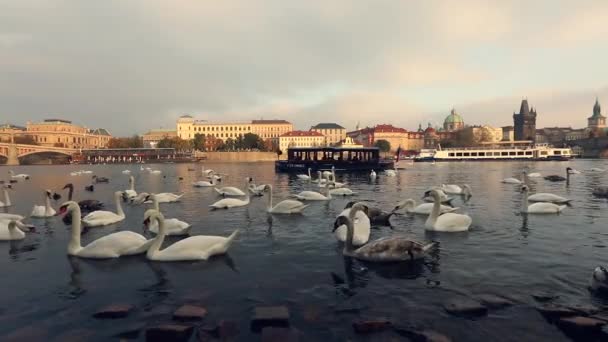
x: 300, y: 139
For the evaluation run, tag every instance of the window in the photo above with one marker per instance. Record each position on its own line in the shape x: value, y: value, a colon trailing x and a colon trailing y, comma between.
x: 458, y: 154
x: 543, y: 153
x: 556, y: 152
x: 504, y: 153
x: 466, y: 154
x: 473, y: 154
x: 512, y: 153
x: 520, y: 153
x: 451, y: 154
x: 528, y: 153
x: 482, y: 154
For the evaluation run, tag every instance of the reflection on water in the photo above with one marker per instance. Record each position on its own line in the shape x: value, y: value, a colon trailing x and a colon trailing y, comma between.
x: 295, y: 260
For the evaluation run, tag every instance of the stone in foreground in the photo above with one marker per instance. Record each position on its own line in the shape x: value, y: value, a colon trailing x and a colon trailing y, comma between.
x: 422, y: 335
x: 273, y: 334
x: 493, y: 301
x: 189, y: 313
x: 114, y: 311
x: 275, y: 316
x: 169, y: 332
x: 581, y: 324
x: 551, y: 311
x: 465, y: 307
x: 371, y: 326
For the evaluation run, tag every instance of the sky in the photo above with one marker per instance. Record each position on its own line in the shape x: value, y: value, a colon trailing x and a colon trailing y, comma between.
x: 133, y: 65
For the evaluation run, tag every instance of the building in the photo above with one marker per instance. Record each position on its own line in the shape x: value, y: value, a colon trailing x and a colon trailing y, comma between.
x: 58, y: 133
x: 397, y: 137
x: 453, y: 122
x: 577, y: 134
x: 524, y: 122
x: 485, y: 134
x: 300, y: 139
x: 596, y: 123
x: 333, y: 132
x: 268, y: 130
x: 508, y: 133
x: 153, y: 136
x: 348, y: 142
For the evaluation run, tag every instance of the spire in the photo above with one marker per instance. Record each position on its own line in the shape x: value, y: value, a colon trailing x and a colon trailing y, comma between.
x: 524, y: 109
x: 597, y: 109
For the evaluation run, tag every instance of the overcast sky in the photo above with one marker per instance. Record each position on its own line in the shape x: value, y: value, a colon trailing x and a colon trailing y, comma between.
x: 134, y: 65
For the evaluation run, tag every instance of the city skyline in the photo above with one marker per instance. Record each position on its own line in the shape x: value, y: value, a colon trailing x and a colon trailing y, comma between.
x: 130, y: 67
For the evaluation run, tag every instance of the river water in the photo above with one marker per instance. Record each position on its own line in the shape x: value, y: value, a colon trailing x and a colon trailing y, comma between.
x: 295, y: 260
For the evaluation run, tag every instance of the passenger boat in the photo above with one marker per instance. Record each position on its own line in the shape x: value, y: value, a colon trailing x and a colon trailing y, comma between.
x: 498, y: 151
x: 299, y: 159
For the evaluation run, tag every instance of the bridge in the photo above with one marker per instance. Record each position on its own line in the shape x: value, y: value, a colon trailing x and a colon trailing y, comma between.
x: 15, y: 153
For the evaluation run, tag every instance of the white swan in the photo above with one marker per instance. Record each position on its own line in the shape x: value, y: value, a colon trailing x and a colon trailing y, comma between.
x: 256, y: 190
x: 424, y: 209
x: 7, y: 199
x: 283, y: 207
x: 206, y: 172
x: 163, y: 197
x: 227, y: 203
x: 104, y: 217
x: 372, y: 175
x: 448, y: 222
x: 454, y: 189
x: 335, y: 183
x: 442, y: 196
x: 341, y: 192
x: 304, y: 177
x: 45, y: 210
x: 126, y: 172
x: 511, y: 180
x: 173, y: 225
x: 386, y: 249
x: 361, y: 224
x: 199, y: 247
x: 203, y: 184
x: 109, y: 246
x: 130, y: 192
x: 599, y: 279
x: 390, y: 173
x: 534, y: 175
x: 20, y: 176
x: 313, y: 195
x: 155, y: 172
x: 538, y: 207
x: 547, y: 197
x: 13, y: 230
x: 8, y: 217
x: 231, y: 190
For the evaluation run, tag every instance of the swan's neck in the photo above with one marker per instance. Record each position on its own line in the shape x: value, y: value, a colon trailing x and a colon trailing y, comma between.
x: 524, y: 202
x: 435, y: 212
x: 156, y: 205
x: 74, y: 244
x: 7, y: 199
x: 132, y: 185
x: 119, y: 210
x: 158, y: 241
x: 70, y: 193
x: 350, y: 232
x: 270, y: 199
x: 47, y: 204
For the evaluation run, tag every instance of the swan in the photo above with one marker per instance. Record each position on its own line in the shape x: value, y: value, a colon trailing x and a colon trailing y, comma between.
x: 372, y: 175
x: 334, y: 183
x: 376, y: 216
x: 596, y: 169
x: 574, y: 171
x: 513, y: 180
x: 20, y: 176
x: 534, y: 175
x: 341, y: 192
x: 130, y: 192
x: 8, y: 217
x: 304, y: 177
x: 214, y: 176
x: 313, y: 195
x: 203, y: 184
x: 173, y: 225
x: 100, y: 179
x: 86, y: 171
x: 199, y: 247
x: 103, y: 217
x: 13, y: 230
x: 126, y: 172
x: 361, y: 223
x: 442, y: 196
x: 326, y: 174
x: 227, y: 203
x: 599, y: 279
x: 86, y: 205
x: 206, y: 172
x: 163, y: 197
x: 423, y: 209
x: 7, y: 199
x: 448, y: 222
x: 557, y: 178
x: 45, y: 210
x: 256, y: 190
x: 539, y: 207
x: 547, y: 197
x: 390, y: 173
x: 231, y: 190
x: 386, y: 249
x: 600, y: 191
x: 283, y: 207
x: 155, y: 172
x: 75, y: 173
x: 454, y: 189
x: 109, y: 246
x: 320, y: 178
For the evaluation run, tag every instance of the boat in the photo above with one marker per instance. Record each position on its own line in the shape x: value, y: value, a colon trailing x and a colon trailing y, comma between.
x: 498, y: 151
x: 355, y: 159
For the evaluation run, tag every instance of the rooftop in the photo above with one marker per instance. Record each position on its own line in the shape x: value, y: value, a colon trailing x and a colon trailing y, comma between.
x: 327, y: 125
x: 58, y: 120
x: 269, y: 122
x: 389, y: 129
x: 101, y: 131
x: 302, y: 134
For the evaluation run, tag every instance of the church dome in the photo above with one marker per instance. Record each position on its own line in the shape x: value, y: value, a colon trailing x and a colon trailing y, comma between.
x: 453, y: 118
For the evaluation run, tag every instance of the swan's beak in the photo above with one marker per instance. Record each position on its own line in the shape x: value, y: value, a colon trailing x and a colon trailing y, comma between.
x: 62, y: 210
x: 147, y: 222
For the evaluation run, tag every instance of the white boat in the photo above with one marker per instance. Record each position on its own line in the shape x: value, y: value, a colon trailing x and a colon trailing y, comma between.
x: 497, y: 151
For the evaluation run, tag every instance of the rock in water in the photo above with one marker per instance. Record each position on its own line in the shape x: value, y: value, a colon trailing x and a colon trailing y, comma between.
x: 114, y: 311
x: 276, y: 316
x: 465, y: 307
x: 169, y: 332
x: 189, y: 313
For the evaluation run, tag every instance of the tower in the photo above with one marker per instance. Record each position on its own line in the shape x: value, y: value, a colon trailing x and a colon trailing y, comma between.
x: 525, y: 122
x: 596, y: 122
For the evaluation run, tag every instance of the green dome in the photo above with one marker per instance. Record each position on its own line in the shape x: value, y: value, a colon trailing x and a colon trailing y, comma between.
x: 453, y: 118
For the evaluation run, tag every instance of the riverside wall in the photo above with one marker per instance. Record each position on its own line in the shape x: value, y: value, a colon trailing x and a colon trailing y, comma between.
x: 240, y: 157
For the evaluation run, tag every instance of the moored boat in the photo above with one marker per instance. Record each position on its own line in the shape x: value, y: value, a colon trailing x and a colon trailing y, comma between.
x: 491, y: 152
x: 300, y: 159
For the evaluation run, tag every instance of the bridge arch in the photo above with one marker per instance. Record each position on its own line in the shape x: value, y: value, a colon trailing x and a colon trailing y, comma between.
x: 44, y: 157
x: 44, y: 152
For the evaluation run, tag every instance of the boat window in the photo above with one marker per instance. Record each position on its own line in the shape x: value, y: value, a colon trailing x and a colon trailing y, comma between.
x: 512, y: 153
x: 466, y: 154
x: 473, y: 154
x: 520, y: 153
x: 557, y: 152
x: 451, y: 154
x: 482, y: 154
x: 528, y: 153
x: 504, y: 153
x: 496, y: 153
x: 543, y: 153
x: 458, y: 154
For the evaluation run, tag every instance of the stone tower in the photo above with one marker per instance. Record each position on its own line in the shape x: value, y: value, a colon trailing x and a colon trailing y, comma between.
x: 596, y: 122
x: 525, y: 122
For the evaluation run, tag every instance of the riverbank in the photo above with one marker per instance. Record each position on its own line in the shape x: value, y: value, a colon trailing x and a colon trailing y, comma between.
x: 241, y: 157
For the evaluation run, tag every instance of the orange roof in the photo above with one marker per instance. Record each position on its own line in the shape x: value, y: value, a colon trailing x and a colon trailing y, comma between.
x: 302, y: 134
x: 389, y: 128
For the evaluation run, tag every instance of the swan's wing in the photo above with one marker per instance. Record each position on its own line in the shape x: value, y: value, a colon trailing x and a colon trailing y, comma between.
x: 545, y: 207
x: 289, y: 206
x: 98, y: 215
x: 453, y: 222
x: 362, y: 229
x: 195, y: 247
x: 174, y: 224
x: 390, y: 249
x: 113, y: 245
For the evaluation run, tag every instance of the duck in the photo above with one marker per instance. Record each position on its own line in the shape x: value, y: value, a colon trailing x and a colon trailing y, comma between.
x: 7, y: 199
x: 385, y: 249
x: 557, y: 178
x: 174, y: 226
x: 600, y: 191
x: 599, y: 279
x: 101, y: 218
x: 42, y: 211
x: 538, y: 207
x: 100, y: 179
x: 130, y: 193
x: 442, y: 196
x: 372, y: 175
x: 200, y: 247
x: 20, y: 176
x: 313, y: 195
x: 283, y: 207
x: 548, y: 197
x: 89, y: 187
x: 376, y: 215
x: 304, y: 177
x: 114, y: 245
x: 448, y: 222
x: 227, y: 203
x: 85, y: 205
x: 423, y: 209
x: 13, y: 230
x: 361, y: 224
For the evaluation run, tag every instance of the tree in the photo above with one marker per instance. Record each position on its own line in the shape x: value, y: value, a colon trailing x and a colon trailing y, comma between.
x: 383, y: 145
x: 176, y: 143
x: 199, y: 142
x: 126, y: 142
x: 252, y: 141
